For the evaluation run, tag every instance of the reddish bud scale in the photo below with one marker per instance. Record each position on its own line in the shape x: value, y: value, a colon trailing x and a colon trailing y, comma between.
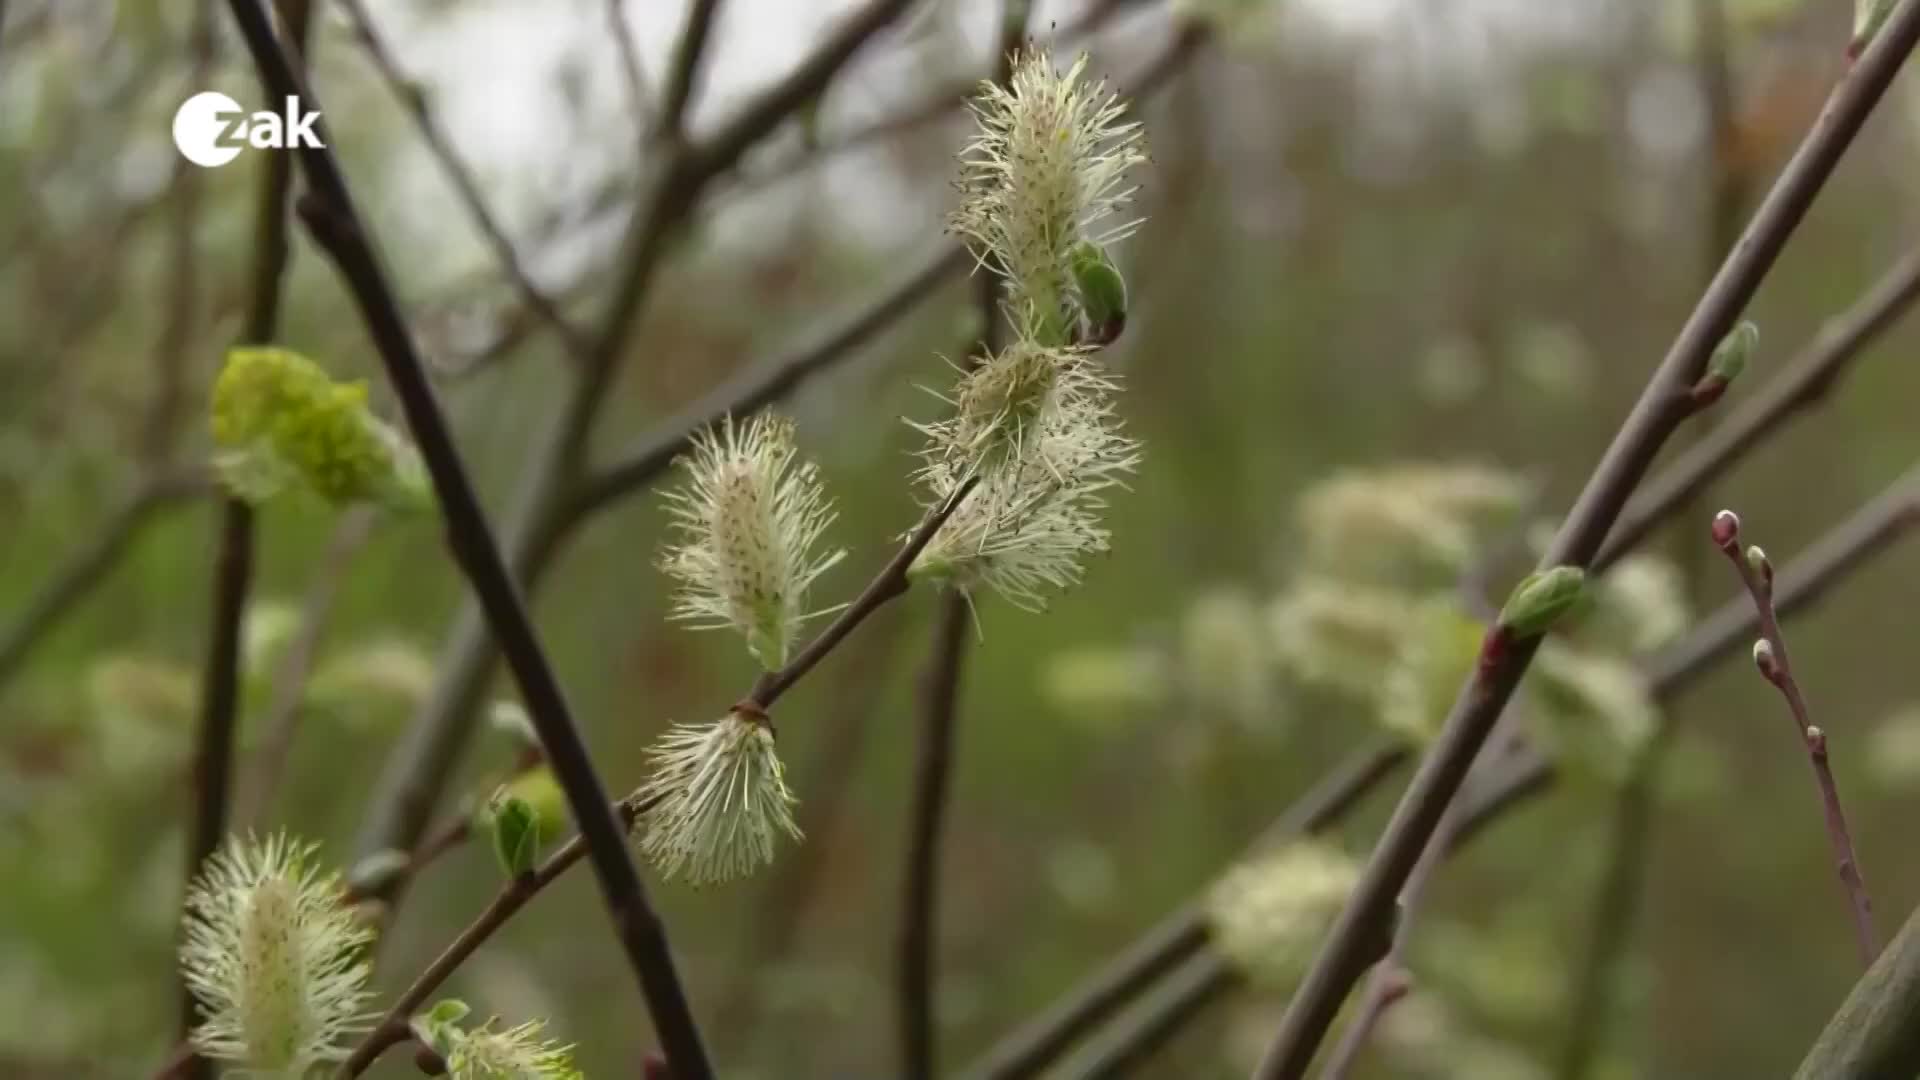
x: 1726, y: 528
x: 1708, y: 390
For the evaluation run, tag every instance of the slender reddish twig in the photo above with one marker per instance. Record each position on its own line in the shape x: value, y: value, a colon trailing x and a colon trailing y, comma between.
x: 1770, y: 655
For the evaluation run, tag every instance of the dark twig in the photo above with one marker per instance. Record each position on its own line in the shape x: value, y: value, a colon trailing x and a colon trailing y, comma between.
x: 919, y: 928
x: 233, y: 566
x: 392, y: 1028
x: 630, y: 69
x: 1199, y: 981
x: 1664, y: 404
x: 219, y: 702
x: 1770, y: 655
x: 686, y: 67
x: 770, y: 930
x: 1803, y: 382
x: 919, y: 894
x: 890, y: 583
x: 466, y: 187
x: 330, y: 215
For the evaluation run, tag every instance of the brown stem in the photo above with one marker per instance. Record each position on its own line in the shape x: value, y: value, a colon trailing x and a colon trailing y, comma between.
x: 392, y: 1029
x: 233, y: 573
x: 1778, y: 670
x: 889, y: 583
x: 1661, y: 408
x: 919, y: 894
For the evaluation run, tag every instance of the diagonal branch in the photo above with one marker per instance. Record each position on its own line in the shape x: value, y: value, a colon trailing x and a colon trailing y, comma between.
x: 1661, y: 408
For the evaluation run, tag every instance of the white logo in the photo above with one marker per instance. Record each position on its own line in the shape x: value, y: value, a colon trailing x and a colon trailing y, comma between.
x: 207, y: 134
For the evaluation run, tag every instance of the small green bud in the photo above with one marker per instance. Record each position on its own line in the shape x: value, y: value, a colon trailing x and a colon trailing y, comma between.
x: 1731, y: 355
x: 516, y: 833
x: 1868, y: 17
x: 1103, y: 294
x: 439, y: 1026
x: 1541, y: 599
x: 540, y: 790
x: 1758, y: 562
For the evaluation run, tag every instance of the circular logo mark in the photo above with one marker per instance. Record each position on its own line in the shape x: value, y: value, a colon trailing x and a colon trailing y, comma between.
x: 198, y: 124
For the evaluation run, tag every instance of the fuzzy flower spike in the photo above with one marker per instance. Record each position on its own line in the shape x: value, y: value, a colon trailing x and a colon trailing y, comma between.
x: 749, y: 517
x: 274, y: 958
x: 1042, y: 177
x: 1033, y: 519
x: 722, y: 799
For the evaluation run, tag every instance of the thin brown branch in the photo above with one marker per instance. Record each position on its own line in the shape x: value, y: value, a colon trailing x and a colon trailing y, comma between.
x: 1802, y: 383
x: 413, y: 98
x: 919, y: 893
x: 392, y: 1029
x: 1661, y: 408
x: 1770, y: 655
x: 233, y: 566
x: 631, y: 70
x: 685, y: 67
x: 889, y: 583
x: 770, y: 930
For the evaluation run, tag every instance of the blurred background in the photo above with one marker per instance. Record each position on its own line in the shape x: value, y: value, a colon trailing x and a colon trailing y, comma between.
x: 1379, y: 233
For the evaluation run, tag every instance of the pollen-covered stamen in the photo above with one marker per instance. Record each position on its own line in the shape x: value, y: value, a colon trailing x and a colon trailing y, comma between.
x: 748, y: 517
x: 1047, y: 167
x: 722, y: 798
x: 273, y: 957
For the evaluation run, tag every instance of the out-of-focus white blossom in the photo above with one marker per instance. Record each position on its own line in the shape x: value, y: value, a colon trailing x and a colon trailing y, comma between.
x: 1269, y: 914
x: 1339, y: 635
x: 1372, y: 522
x: 1595, y: 710
x: 1418, y: 688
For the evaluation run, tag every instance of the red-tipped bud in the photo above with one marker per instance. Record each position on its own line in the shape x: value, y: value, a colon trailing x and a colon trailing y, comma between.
x: 654, y: 1067
x: 1726, y: 528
